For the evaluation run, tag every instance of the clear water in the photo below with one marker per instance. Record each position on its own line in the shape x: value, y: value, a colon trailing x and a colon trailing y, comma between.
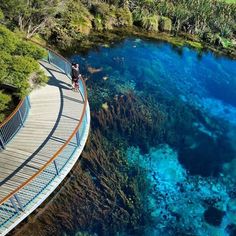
x: 193, y: 180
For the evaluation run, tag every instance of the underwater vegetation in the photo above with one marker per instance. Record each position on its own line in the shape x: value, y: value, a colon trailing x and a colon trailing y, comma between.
x: 103, y: 195
x: 144, y: 123
x: 161, y: 157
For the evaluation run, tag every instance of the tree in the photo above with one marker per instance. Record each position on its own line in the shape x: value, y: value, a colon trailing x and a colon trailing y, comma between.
x: 31, y: 16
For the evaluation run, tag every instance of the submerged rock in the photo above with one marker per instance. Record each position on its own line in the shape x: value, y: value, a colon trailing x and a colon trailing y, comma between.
x: 177, y: 200
x: 105, y: 78
x: 231, y: 229
x: 213, y: 216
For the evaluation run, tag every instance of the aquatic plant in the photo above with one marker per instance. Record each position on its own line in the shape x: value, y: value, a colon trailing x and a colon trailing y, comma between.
x: 137, y: 119
x: 102, y: 195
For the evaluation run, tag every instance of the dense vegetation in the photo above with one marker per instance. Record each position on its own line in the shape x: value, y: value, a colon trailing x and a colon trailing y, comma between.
x: 19, y: 67
x: 213, y: 21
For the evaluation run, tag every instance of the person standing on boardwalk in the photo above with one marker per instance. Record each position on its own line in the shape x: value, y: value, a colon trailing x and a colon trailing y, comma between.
x: 76, y: 88
x: 74, y: 74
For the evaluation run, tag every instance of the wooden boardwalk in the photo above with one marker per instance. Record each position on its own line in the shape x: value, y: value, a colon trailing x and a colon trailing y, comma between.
x: 55, y: 112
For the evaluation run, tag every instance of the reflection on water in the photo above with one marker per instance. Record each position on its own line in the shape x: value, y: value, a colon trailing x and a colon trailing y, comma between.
x: 188, y: 142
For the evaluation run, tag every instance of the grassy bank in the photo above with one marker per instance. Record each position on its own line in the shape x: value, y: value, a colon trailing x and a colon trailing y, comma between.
x: 229, y: 1
x: 108, y: 38
x: 198, y: 23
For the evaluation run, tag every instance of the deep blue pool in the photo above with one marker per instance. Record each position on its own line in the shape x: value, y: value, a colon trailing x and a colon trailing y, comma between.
x: 192, y: 167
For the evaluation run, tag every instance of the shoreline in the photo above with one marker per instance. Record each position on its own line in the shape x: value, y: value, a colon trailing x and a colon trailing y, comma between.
x: 108, y: 38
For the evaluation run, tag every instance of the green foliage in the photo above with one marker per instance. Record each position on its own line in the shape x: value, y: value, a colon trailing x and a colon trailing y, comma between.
x: 5, y: 60
x: 70, y: 24
x: 230, y: 1
x: 30, y: 16
x: 39, y: 78
x: 5, y: 99
x: 20, y: 69
x: 98, y: 23
x: 76, y: 17
x: 226, y: 43
x: 165, y: 24
x: 18, y: 61
x: 1, y: 15
x: 8, y: 41
x: 30, y: 49
x: 106, y: 17
x: 71, y: 20
x: 150, y: 22
x: 124, y: 17
x: 104, y: 14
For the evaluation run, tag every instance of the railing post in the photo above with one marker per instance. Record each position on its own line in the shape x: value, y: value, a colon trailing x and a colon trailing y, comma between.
x: 14, y: 205
x: 1, y: 141
x: 21, y: 119
x: 77, y: 138
x: 28, y: 101
x: 69, y: 69
x: 55, y: 164
x: 49, y: 59
x: 85, y: 116
x: 19, y: 202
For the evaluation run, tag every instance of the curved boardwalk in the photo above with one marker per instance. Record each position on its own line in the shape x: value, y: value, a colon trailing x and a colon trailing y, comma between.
x: 55, y: 112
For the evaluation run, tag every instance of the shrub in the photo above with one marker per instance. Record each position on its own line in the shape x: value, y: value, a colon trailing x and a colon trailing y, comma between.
x: 107, y: 17
x: 31, y: 50
x: 165, y: 24
x: 18, y: 61
x: 8, y: 41
x: 20, y: 70
x: 124, y: 17
x: 5, y: 59
x: 5, y: 99
x: 150, y: 22
x: 38, y: 78
x: 98, y: 23
x: 1, y: 15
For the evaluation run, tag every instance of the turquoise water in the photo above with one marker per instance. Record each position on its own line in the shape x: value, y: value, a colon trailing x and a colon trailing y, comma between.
x: 189, y: 154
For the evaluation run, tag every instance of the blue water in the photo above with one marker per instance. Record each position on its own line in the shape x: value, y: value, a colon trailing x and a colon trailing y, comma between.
x: 192, y: 179
x: 178, y: 72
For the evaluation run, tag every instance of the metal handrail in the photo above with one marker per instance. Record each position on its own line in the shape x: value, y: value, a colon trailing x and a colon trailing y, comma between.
x: 55, y: 156
x: 11, y: 125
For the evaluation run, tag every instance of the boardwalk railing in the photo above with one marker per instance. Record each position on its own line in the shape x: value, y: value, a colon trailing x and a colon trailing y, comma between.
x: 11, y: 125
x: 31, y: 192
